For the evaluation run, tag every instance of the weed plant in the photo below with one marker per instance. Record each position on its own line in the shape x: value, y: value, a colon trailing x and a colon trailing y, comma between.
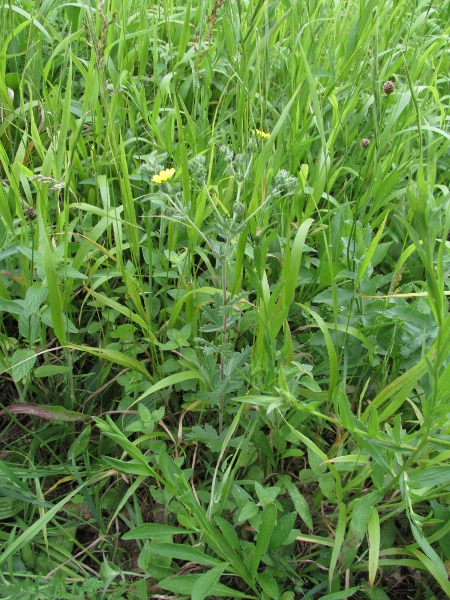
x: 225, y: 332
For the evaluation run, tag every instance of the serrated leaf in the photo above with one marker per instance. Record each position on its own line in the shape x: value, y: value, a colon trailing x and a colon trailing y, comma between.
x: 29, y: 327
x: 34, y: 297
x: 206, y: 435
x: 22, y: 363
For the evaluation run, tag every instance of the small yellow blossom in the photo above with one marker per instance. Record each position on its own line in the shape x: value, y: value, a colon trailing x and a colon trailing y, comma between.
x: 163, y: 176
x: 261, y: 134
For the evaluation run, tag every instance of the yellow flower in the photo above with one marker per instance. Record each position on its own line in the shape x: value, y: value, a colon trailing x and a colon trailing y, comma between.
x: 261, y: 134
x: 163, y: 176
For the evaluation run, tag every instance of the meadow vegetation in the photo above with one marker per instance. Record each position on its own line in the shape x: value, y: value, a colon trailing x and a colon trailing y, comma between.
x: 225, y: 331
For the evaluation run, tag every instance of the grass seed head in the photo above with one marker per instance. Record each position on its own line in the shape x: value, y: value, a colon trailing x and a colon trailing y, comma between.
x: 30, y: 213
x: 389, y: 87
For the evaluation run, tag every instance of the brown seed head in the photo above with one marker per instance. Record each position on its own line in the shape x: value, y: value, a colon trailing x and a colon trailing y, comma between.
x: 30, y: 213
x: 389, y: 87
x: 365, y: 143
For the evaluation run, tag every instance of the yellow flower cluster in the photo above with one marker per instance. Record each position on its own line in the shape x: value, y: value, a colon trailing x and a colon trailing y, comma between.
x: 163, y: 176
x: 261, y: 134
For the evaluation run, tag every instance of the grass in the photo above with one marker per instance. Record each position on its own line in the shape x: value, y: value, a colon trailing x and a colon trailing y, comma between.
x: 224, y: 274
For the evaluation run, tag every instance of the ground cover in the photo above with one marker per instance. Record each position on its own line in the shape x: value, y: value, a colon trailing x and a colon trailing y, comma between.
x: 224, y: 269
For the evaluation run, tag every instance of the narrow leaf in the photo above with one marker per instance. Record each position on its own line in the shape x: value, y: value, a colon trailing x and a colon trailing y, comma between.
x: 268, y: 520
x: 206, y: 582
x: 185, y: 552
x: 49, y: 413
x: 373, y: 530
x: 149, y: 531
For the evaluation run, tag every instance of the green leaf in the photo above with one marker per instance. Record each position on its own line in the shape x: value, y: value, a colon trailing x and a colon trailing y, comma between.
x: 435, y: 570
x: 370, y: 252
x: 268, y: 520
x: 35, y: 528
x: 131, y: 467
x: 55, y: 300
x: 282, y: 530
x: 80, y: 444
x: 269, y: 585
x: 343, y: 595
x: 149, y: 531
x: 431, y: 554
x: 430, y: 477
x: 34, y: 297
x: 338, y: 540
x: 292, y: 261
x: 358, y: 526
x: 47, y: 319
x: 67, y: 272
x: 206, y: 582
x: 22, y: 363
x: 376, y: 593
x: 115, y: 356
x: 184, y: 584
x: 15, y: 307
x: 170, y: 381
x: 164, y: 85
x: 266, y: 495
x: 300, y: 504
x: 373, y: 530
x: 332, y: 356
x: 50, y: 370
x: 185, y: 552
x: 248, y: 512
x: 229, y: 533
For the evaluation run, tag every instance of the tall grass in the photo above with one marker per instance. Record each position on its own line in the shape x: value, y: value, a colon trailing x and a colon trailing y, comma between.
x: 233, y: 382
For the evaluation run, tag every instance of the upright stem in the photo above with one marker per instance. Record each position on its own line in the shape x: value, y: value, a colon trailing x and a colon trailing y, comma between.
x: 224, y: 333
